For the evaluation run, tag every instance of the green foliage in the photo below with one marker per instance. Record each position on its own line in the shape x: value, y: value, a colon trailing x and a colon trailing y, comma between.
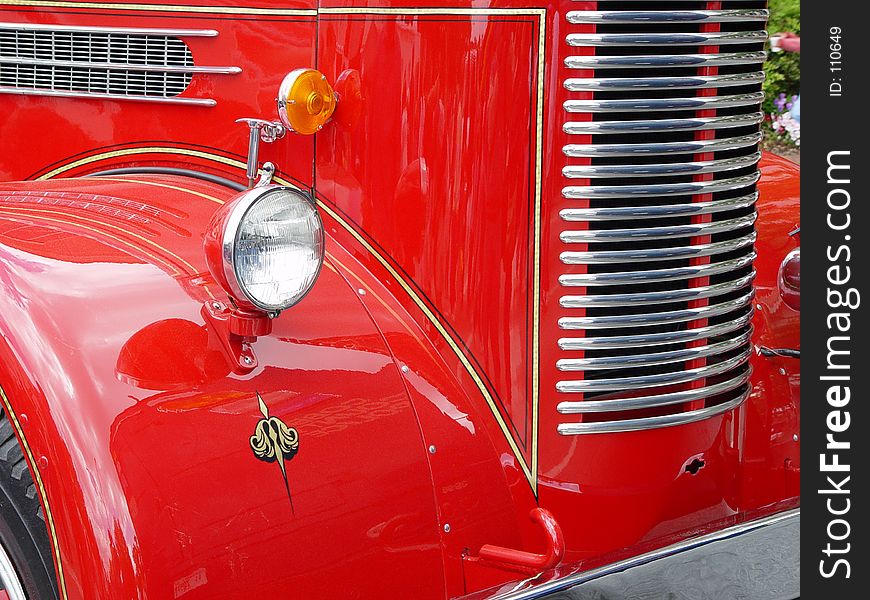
x: 783, y: 69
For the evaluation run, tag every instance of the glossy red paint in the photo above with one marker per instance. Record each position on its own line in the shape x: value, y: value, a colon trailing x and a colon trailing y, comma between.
x: 153, y: 485
x: 414, y: 411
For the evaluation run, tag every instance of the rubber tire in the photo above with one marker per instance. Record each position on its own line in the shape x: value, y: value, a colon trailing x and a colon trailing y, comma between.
x: 23, y: 532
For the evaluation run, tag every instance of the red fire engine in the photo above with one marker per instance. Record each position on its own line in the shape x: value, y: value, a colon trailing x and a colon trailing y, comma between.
x: 394, y: 299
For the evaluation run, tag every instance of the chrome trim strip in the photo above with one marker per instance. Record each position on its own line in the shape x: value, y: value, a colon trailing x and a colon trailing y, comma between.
x: 662, y: 125
x: 644, y: 105
x: 709, y: 543
x: 658, y: 169
x: 655, y: 275
x: 122, y: 30
x: 698, y: 82
x: 642, y: 402
x: 649, y: 381
x: 667, y: 39
x: 657, y: 233
x: 660, y: 189
x: 654, y: 422
x: 659, y: 318
x: 654, y: 212
x: 655, y: 254
x: 667, y: 16
x: 64, y: 94
x: 122, y: 66
x: 663, y: 296
x: 665, y: 60
x: 654, y: 339
x: 655, y: 149
x: 633, y: 361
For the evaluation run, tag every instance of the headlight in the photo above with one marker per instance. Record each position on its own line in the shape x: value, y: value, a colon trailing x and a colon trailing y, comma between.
x: 266, y: 247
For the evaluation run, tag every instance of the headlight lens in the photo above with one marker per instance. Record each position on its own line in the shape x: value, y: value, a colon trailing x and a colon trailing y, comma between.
x: 271, y: 247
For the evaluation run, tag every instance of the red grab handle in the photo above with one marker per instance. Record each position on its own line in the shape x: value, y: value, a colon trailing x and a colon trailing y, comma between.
x: 529, y: 562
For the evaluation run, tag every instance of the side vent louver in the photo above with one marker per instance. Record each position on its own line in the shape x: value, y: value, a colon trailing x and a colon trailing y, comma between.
x: 662, y: 116
x: 153, y: 65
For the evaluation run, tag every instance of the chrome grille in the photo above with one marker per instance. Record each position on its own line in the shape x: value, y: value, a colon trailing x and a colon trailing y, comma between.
x: 662, y: 118
x: 109, y: 63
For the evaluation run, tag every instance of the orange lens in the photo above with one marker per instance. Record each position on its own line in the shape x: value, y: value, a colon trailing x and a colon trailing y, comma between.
x: 306, y: 101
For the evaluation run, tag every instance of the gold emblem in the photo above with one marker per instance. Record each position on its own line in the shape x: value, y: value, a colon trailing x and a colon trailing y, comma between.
x: 273, y: 441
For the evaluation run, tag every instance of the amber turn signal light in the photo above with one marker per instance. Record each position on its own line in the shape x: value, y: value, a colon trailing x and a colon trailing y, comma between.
x: 306, y: 101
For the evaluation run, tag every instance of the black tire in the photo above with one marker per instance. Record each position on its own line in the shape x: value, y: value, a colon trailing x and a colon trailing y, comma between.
x: 23, y: 532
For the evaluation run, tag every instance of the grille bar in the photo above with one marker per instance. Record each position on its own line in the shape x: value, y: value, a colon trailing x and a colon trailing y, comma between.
x: 661, y: 16
x: 663, y: 83
x: 658, y: 211
x: 627, y: 256
x: 655, y: 275
x: 667, y: 39
x: 658, y: 358
x: 687, y: 168
x: 657, y: 233
x: 691, y: 103
x: 665, y: 60
x: 661, y: 189
x: 655, y: 339
x: 663, y: 148
x: 663, y: 125
x: 641, y: 402
x: 656, y: 318
x: 671, y: 420
x: 658, y: 380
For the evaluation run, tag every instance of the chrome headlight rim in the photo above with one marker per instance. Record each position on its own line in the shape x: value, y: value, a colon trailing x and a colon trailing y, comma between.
x: 232, y: 230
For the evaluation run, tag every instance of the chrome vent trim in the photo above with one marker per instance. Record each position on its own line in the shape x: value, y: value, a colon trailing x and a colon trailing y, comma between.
x: 151, y: 65
x: 659, y: 249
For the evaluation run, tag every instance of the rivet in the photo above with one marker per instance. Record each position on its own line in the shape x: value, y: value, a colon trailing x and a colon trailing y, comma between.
x: 361, y: 292
x: 757, y: 307
x: 217, y: 306
x: 432, y: 449
x: 782, y: 371
x: 42, y: 462
x: 23, y: 419
x: 795, y: 437
x: 446, y: 527
x: 247, y: 360
x: 405, y: 369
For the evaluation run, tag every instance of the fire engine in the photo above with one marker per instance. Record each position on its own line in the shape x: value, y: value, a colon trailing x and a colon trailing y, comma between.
x: 395, y: 299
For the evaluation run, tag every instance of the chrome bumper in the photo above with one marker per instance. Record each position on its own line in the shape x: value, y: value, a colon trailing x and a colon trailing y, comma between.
x: 759, y: 560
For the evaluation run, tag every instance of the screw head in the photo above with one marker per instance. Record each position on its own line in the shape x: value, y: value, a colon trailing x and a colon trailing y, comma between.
x: 361, y: 292
x: 247, y: 360
x: 217, y: 306
x: 446, y: 527
x: 405, y: 369
x: 795, y: 437
x: 782, y: 371
x: 432, y: 449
